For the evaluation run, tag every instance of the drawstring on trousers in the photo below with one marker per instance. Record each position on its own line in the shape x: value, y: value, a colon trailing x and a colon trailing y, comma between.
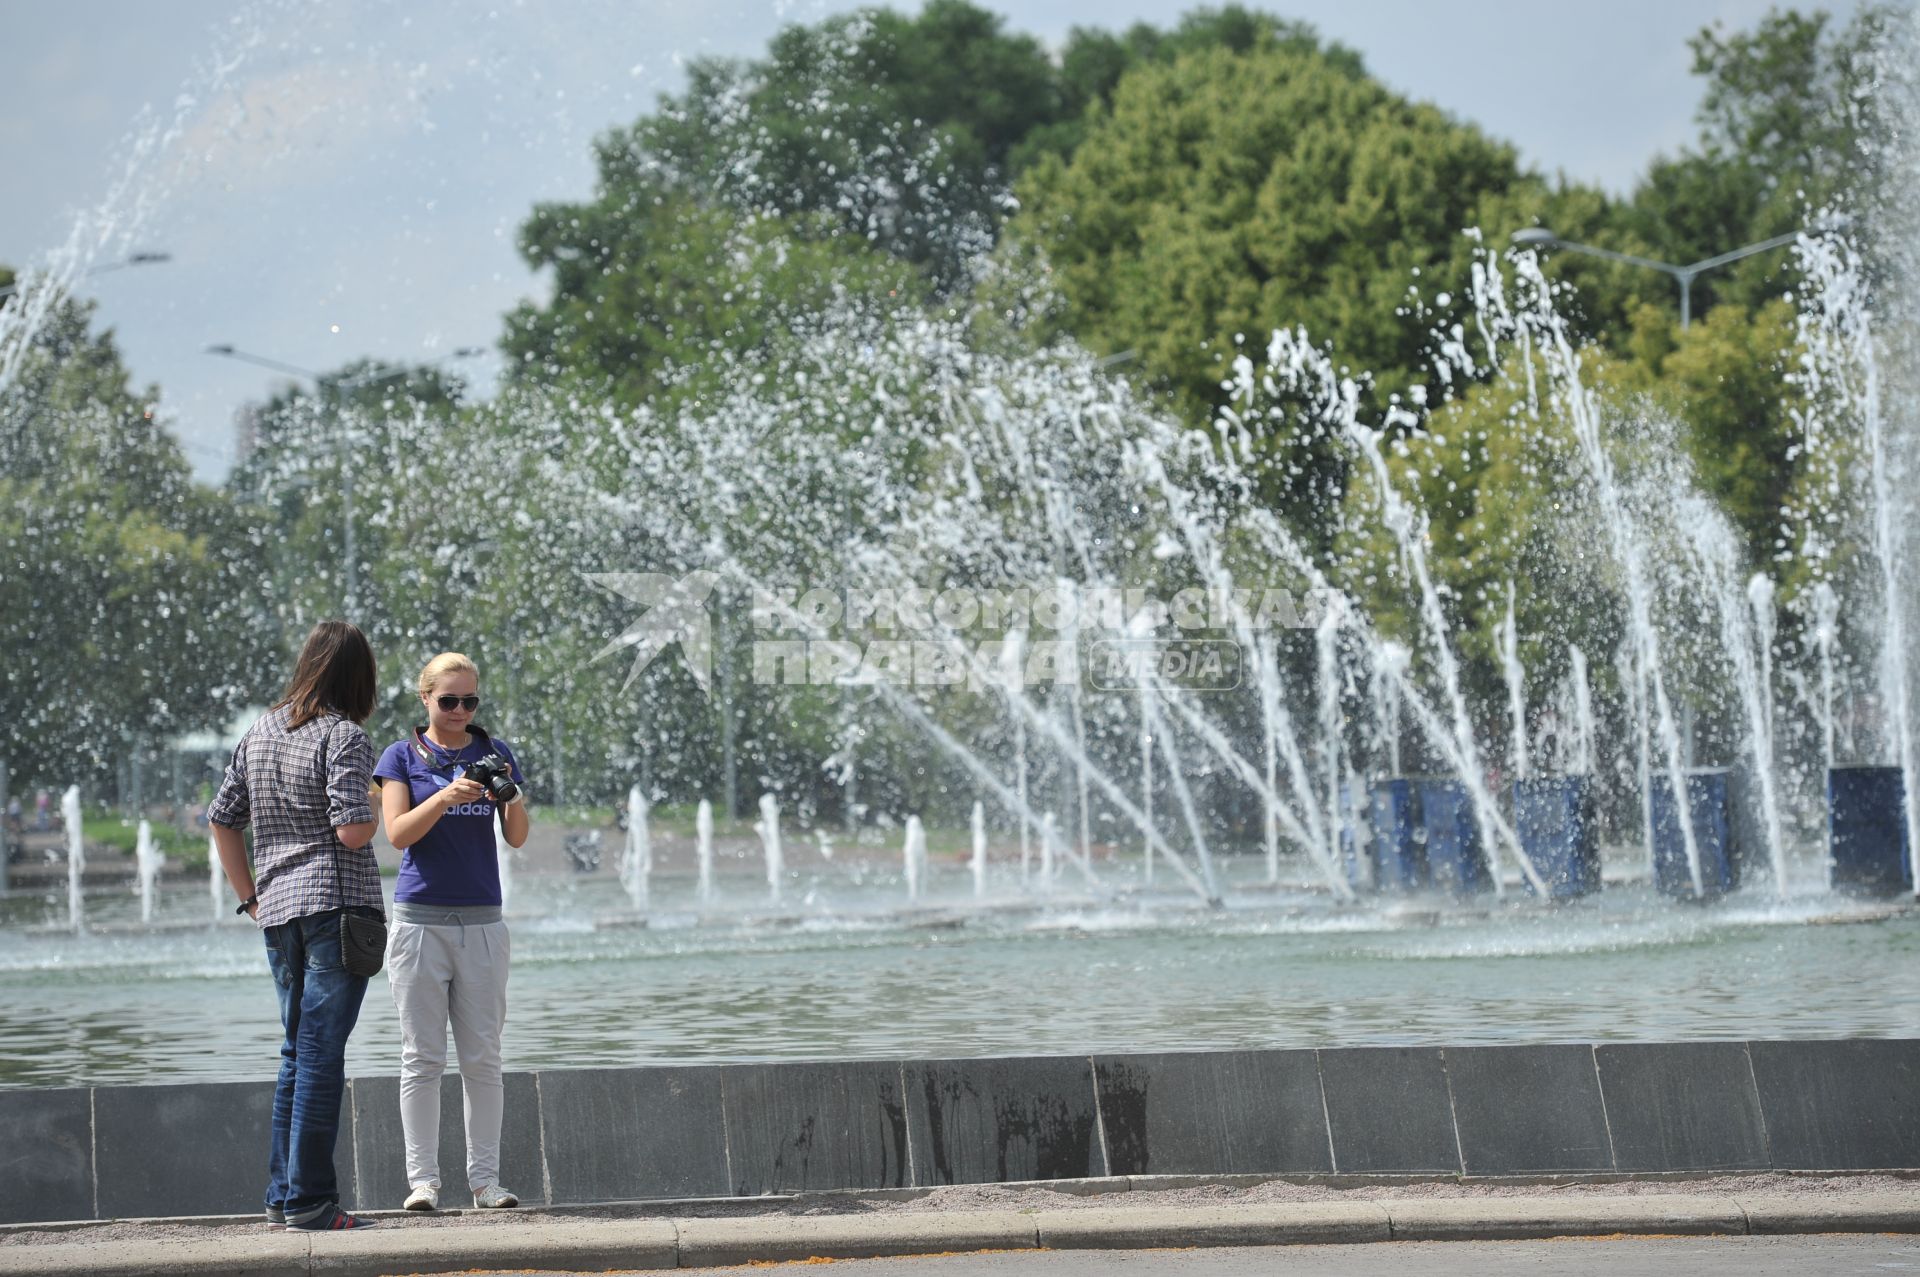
x: 453, y: 918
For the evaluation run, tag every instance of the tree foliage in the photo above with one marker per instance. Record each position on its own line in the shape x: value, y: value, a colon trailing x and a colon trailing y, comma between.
x: 128, y: 592
x: 1166, y: 197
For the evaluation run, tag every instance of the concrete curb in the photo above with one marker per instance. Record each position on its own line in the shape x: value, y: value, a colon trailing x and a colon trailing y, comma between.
x: 1515, y: 1218
x: 1303, y: 1223
x: 589, y: 1245
x: 711, y: 1243
x: 571, y: 1245
x: 1864, y: 1213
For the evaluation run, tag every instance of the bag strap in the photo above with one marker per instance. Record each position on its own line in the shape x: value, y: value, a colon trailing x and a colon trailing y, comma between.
x: 339, y: 883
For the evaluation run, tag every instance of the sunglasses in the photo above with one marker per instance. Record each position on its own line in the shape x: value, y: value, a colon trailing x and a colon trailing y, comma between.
x: 450, y: 703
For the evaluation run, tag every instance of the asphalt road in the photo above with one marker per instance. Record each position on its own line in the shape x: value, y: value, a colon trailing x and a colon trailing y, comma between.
x: 1624, y: 1257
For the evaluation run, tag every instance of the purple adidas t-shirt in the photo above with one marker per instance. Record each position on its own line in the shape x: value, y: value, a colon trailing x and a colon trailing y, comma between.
x: 456, y: 862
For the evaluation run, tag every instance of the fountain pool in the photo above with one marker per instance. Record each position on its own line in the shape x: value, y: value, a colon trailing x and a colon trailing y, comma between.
x: 845, y: 970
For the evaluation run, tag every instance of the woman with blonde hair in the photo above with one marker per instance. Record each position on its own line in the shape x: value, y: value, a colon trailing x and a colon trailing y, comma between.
x: 441, y: 789
x: 300, y: 778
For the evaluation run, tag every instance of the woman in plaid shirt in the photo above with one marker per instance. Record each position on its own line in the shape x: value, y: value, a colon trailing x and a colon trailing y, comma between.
x: 302, y: 777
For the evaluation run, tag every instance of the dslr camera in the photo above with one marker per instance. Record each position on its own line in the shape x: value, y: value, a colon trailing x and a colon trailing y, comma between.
x: 495, y: 776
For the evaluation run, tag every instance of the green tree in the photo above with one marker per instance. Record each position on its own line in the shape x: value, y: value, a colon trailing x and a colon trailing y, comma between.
x: 413, y: 481
x: 865, y: 155
x: 1490, y: 474
x: 1784, y: 124
x: 1784, y: 134
x: 648, y: 286
x: 129, y: 593
x: 1229, y: 193
x: 1726, y: 378
x: 1094, y: 61
x: 893, y: 130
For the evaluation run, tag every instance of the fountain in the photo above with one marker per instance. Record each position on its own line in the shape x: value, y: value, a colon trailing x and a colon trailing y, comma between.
x: 978, y: 824
x: 913, y: 854
x: 1864, y: 456
x: 1020, y: 773
x: 1826, y: 633
x: 1048, y: 841
x: 1146, y: 790
x: 1746, y: 628
x: 1270, y: 754
x: 1377, y: 745
x: 636, y: 860
x: 1581, y: 756
x: 1762, y: 712
x: 217, y: 887
x: 703, y: 848
x: 768, y: 827
x: 1292, y: 748
x: 1508, y: 640
x: 1455, y: 740
x: 76, y: 857
x: 147, y: 862
x: 1535, y: 320
x: 1332, y: 756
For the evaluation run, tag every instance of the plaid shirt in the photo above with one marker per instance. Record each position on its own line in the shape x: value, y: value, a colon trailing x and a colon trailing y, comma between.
x: 294, y: 787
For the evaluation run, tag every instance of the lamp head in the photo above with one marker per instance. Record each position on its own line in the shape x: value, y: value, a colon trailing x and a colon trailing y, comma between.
x: 1534, y: 237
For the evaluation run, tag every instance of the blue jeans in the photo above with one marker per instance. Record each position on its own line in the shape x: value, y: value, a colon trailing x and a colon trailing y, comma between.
x: 319, y: 1004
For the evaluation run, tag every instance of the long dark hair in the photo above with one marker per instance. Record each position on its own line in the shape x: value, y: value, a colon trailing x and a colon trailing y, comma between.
x: 333, y: 675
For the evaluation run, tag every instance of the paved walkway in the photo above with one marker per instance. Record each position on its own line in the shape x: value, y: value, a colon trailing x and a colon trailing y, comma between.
x: 1739, y: 1231
x: 1623, y: 1257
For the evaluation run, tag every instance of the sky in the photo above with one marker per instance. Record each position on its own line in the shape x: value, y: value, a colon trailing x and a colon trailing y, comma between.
x: 344, y: 180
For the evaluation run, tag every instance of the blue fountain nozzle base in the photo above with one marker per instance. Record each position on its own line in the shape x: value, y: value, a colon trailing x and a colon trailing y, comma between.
x: 1709, y: 813
x: 1554, y: 818
x: 1456, y: 860
x: 1867, y: 831
x: 1399, y: 855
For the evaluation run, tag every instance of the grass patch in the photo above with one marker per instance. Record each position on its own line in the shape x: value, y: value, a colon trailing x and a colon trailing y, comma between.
x: 587, y: 816
x: 101, y: 827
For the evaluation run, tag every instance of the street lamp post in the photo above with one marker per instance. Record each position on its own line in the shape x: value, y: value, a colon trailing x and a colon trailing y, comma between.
x: 132, y: 259
x: 330, y: 391
x: 1541, y: 237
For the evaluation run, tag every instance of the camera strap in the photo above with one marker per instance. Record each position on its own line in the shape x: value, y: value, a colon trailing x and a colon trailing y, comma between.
x: 432, y: 759
x: 427, y: 753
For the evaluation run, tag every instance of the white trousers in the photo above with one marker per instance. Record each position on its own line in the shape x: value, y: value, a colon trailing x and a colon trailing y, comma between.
x: 459, y: 974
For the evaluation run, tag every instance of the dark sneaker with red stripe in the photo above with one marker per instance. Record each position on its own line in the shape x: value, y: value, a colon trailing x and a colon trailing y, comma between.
x: 330, y: 1220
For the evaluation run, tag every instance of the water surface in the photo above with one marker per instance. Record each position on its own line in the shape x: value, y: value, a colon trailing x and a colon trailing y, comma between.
x: 846, y: 975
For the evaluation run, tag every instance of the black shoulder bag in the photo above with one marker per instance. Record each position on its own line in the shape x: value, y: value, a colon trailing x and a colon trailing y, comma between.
x: 363, y: 937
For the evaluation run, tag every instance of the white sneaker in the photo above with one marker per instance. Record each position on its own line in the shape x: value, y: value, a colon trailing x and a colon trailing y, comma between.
x: 423, y: 1197
x: 494, y: 1197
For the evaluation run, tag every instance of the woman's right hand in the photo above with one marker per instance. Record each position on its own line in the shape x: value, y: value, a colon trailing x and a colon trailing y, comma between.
x: 464, y: 789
